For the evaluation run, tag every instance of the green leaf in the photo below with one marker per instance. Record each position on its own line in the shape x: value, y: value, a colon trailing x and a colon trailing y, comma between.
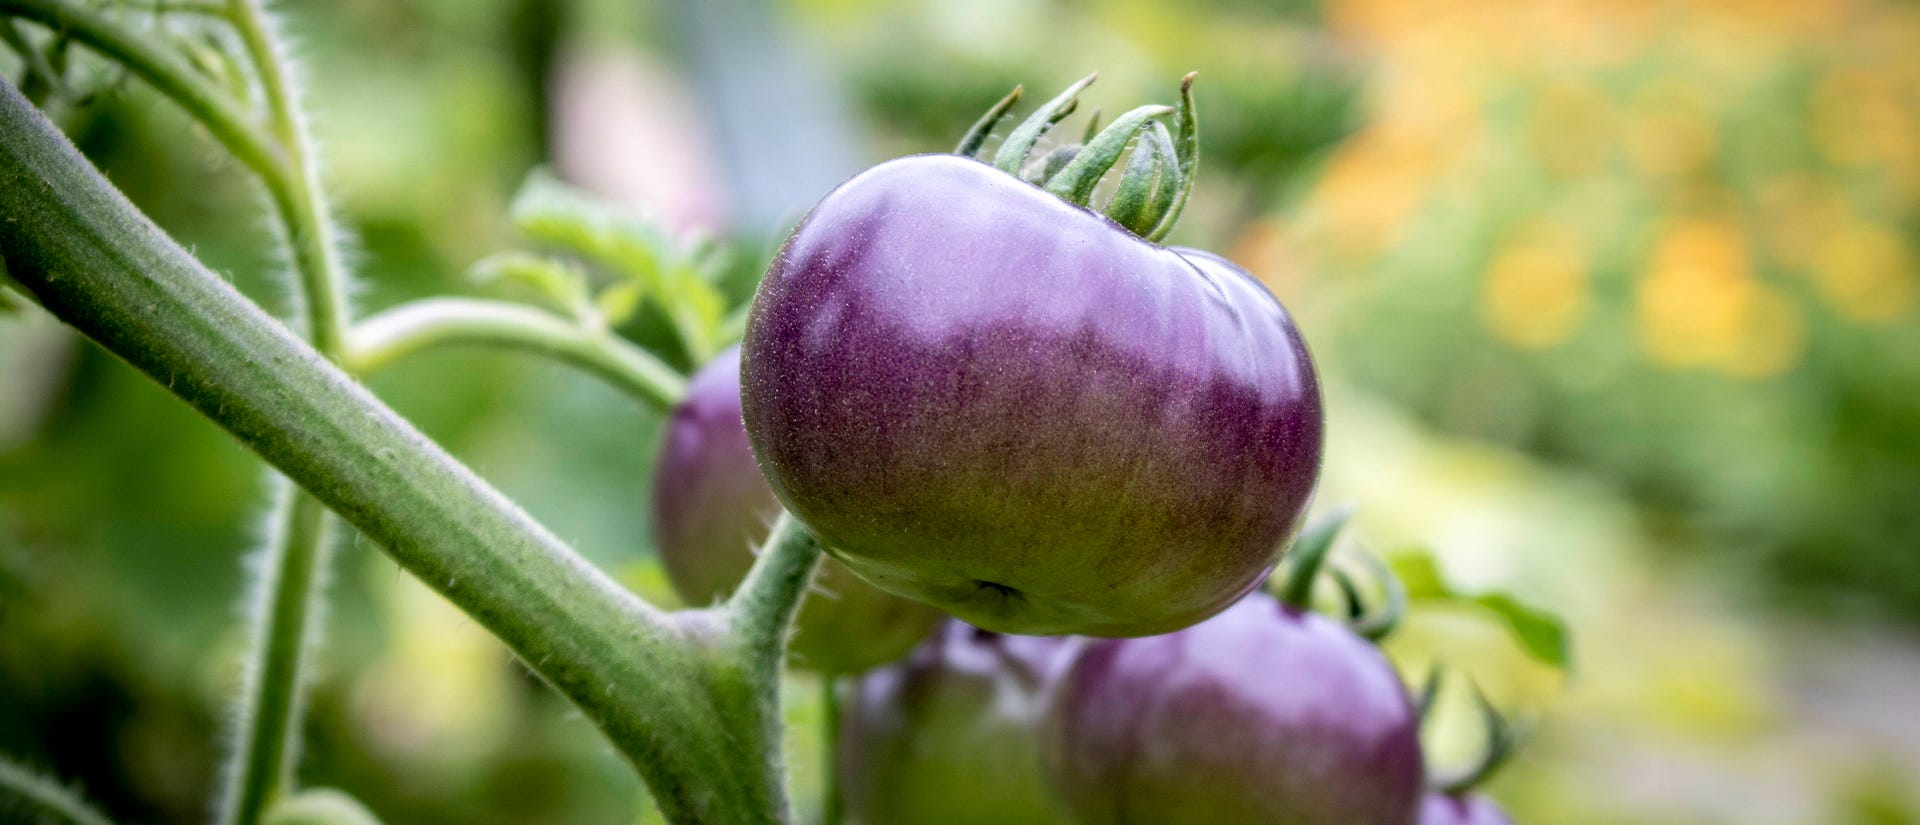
x: 550, y: 279
x: 553, y: 213
x: 1542, y: 635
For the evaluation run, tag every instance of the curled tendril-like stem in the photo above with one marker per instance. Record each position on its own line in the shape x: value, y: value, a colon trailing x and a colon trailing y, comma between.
x: 1502, y: 741
x: 1309, y: 553
x: 1377, y: 623
x: 1013, y: 153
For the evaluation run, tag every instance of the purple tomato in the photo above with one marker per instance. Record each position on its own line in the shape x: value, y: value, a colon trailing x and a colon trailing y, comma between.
x: 986, y: 398
x: 1472, y: 809
x: 1262, y: 714
x: 948, y: 737
x: 711, y: 507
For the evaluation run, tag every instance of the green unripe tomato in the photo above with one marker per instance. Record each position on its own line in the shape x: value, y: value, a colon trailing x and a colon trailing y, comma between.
x: 949, y: 736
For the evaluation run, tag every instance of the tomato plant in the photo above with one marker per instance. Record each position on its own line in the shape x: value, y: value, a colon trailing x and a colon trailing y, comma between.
x: 975, y: 390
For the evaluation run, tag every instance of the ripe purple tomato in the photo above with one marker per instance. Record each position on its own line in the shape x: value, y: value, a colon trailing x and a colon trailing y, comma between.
x: 948, y: 737
x: 1445, y: 809
x: 997, y: 402
x: 1264, y: 713
x: 711, y: 506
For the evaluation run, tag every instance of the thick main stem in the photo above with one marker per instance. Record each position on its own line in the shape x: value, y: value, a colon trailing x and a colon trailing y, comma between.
x: 663, y: 693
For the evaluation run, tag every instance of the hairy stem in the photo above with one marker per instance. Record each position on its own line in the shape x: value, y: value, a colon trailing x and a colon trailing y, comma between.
x: 666, y: 695
x: 310, y: 230
x: 207, y: 103
x: 44, y: 799
x: 833, y: 806
x: 384, y: 338
x: 285, y: 624
x: 762, y: 607
x: 267, y: 745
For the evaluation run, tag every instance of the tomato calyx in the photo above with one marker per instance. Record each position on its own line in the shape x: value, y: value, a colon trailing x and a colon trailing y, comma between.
x: 1502, y: 739
x: 1153, y: 189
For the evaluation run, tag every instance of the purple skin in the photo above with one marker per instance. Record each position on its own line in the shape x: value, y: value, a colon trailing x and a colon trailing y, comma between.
x: 996, y: 402
x: 1264, y: 713
x: 948, y: 737
x: 1442, y: 809
x: 711, y: 506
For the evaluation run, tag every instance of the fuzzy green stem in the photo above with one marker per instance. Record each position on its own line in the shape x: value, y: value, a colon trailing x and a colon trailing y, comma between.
x: 49, y: 801
x: 381, y: 339
x: 286, y: 626
x: 223, y: 118
x: 762, y: 607
x: 665, y: 695
x: 833, y: 803
x: 310, y: 230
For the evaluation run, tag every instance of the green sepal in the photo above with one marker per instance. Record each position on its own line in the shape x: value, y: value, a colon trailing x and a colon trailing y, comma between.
x: 1093, y: 127
x: 1502, y: 741
x: 1146, y: 188
x: 1077, y: 180
x: 1541, y: 634
x: 1187, y: 150
x: 1055, y: 161
x: 1308, y: 555
x: 977, y: 136
x: 1377, y: 623
x: 1013, y: 152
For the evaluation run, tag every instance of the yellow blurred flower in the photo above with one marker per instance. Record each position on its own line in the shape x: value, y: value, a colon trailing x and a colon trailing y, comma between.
x: 1535, y: 292
x: 1672, y: 132
x: 1867, y: 272
x: 1700, y: 306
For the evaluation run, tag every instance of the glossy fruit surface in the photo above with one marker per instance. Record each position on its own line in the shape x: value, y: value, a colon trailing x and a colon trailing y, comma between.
x: 1472, y: 809
x: 949, y: 736
x: 994, y: 401
x: 711, y: 507
x: 1262, y: 714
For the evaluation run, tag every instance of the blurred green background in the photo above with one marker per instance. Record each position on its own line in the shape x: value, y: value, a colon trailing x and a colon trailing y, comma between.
x: 1618, y: 302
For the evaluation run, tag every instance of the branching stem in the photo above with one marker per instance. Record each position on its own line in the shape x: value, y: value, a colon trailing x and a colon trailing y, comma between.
x: 384, y: 338
x: 692, y: 703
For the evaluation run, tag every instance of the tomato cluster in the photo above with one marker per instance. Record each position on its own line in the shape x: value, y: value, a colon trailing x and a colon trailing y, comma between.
x: 983, y: 394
